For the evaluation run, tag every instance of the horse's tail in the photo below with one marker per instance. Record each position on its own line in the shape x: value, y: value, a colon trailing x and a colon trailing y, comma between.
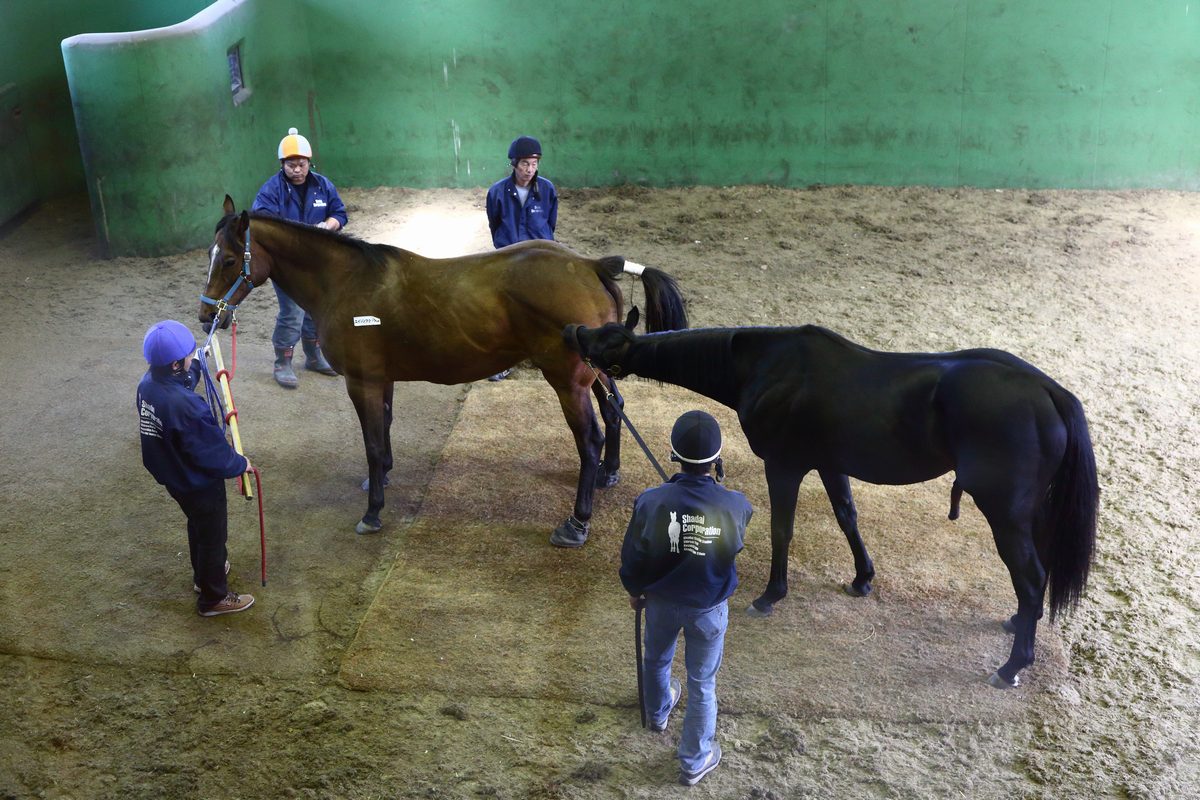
x: 665, y: 306
x: 1070, y: 509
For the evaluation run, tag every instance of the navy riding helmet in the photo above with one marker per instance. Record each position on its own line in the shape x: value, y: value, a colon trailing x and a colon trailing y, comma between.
x: 523, y: 147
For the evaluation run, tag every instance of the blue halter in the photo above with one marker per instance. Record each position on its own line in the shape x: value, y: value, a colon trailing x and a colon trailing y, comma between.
x: 223, y: 304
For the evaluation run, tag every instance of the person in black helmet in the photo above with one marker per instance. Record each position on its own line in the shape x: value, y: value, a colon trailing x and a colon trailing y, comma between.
x: 185, y: 450
x: 678, y: 559
x: 524, y: 205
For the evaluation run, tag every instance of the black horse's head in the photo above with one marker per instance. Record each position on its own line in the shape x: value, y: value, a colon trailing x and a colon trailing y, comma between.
x: 229, y: 270
x: 604, y: 347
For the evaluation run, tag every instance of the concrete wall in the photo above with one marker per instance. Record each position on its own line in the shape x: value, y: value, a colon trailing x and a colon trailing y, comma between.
x: 39, y: 150
x: 1002, y: 93
x: 162, y: 134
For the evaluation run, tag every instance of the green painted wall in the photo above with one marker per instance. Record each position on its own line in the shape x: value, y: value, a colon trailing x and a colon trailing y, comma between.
x: 39, y: 150
x: 1000, y: 93
x: 1005, y: 93
x: 161, y: 135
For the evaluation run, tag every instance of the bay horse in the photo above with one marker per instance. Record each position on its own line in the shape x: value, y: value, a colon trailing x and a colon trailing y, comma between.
x: 809, y: 399
x: 384, y: 314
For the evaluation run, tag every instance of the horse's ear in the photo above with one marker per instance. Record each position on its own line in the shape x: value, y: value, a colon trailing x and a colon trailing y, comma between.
x: 243, y: 222
x: 631, y: 320
x: 228, y: 206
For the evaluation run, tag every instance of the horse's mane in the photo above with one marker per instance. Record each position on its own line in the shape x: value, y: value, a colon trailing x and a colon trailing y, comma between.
x: 375, y: 254
x: 693, y: 357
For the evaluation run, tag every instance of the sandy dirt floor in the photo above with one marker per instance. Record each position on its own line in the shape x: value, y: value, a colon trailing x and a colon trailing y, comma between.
x: 457, y: 655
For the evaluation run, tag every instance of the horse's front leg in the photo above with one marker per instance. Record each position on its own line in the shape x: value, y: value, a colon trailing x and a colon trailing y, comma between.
x: 609, y: 473
x: 838, y: 489
x: 387, y: 437
x: 370, y: 400
x: 783, y: 484
x: 576, y: 405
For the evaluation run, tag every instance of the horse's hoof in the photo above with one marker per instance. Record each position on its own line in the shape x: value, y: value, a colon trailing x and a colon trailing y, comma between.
x: 606, y: 479
x: 367, y: 527
x: 855, y: 591
x: 366, y: 484
x: 1009, y: 626
x: 754, y: 611
x: 996, y: 680
x: 571, y: 534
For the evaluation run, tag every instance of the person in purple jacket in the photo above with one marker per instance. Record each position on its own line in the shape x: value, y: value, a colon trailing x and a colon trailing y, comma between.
x: 185, y: 450
x: 678, y: 559
x: 301, y: 195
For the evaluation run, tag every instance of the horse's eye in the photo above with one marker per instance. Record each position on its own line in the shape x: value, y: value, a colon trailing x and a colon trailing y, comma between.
x: 228, y: 261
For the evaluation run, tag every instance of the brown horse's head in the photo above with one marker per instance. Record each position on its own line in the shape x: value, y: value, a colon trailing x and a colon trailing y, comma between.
x: 604, y: 347
x: 231, y: 271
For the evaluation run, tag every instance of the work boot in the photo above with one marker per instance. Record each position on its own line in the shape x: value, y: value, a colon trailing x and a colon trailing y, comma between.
x: 284, y: 375
x: 314, y: 359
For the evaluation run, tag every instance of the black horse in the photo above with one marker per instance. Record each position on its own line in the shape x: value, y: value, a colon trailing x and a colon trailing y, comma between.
x: 809, y: 399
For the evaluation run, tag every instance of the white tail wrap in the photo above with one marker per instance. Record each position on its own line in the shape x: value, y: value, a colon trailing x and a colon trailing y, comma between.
x: 634, y: 268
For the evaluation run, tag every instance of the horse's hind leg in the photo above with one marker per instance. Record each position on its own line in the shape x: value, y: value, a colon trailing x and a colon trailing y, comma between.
x: 369, y: 398
x: 838, y: 489
x: 577, y: 408
x: 1012, y: 530
x: 609, y: 473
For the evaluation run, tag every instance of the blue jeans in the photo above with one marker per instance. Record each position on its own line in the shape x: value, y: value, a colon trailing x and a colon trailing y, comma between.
x: 291, y: 322
x: 703, y: 646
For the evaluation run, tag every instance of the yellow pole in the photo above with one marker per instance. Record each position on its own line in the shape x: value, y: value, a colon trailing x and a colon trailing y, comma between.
x: 223, y: 379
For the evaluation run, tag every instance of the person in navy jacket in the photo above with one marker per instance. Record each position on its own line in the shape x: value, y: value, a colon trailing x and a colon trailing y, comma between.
x: 185, y: 450
x: 678, y: 560
x: 524, y: 205
x: 301, y: 195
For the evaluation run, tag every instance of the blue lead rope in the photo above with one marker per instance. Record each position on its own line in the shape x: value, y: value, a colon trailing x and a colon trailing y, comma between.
x: 211, y: 394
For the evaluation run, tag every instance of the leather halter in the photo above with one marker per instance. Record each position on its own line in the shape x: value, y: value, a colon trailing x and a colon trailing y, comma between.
x: 223, y: 304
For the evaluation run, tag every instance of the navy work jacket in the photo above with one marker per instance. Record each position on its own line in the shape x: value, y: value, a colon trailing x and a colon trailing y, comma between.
x: 682, y: 540
x: 183, y: 447
x: 279, y: 198
x: 511, y: 222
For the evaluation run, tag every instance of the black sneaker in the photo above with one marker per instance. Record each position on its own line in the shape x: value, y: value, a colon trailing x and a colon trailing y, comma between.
x: 692, y: 778
x: 676, y: 690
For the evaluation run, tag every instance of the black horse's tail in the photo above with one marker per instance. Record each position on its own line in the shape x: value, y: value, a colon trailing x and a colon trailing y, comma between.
x: 1070, y: 509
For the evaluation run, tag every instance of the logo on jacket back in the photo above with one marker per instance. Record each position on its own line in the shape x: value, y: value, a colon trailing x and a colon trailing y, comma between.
x: 149, y: 424
x: 691, y: 534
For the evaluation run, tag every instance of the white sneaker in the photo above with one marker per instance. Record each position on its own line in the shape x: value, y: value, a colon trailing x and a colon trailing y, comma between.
x: 676, y: 690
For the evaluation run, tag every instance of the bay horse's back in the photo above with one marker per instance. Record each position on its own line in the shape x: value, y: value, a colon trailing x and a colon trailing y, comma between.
x: 561, y: 284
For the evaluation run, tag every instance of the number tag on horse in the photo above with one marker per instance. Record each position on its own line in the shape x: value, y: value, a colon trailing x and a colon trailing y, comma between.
x: 361, y: 321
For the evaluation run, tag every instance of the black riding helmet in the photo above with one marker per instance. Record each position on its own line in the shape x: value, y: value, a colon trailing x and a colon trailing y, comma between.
x: 696, y: 438
x: 523, y: 147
